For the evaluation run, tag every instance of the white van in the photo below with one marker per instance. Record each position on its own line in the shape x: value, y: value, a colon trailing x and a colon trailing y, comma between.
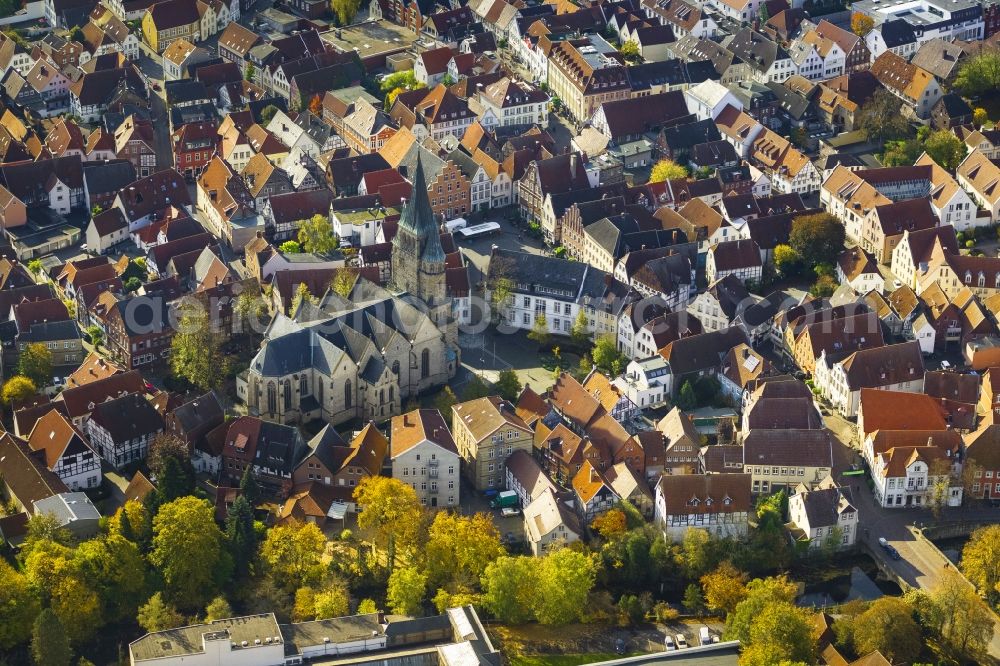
x: 704, y: 635
x: 456, y: 224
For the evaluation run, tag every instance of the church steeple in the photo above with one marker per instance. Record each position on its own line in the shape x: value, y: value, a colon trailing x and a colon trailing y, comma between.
x: 417, y: 256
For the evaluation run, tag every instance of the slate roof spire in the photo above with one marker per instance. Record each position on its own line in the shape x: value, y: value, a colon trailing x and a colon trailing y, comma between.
x: 418, y: 218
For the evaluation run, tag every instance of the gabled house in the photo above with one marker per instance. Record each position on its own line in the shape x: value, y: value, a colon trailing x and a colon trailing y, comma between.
x: 66, y: 452
x: 718, y: 503
x: 915, y: 86
x: 122, y: 429
x: 898, y: 367
x: 270, y: 450
x: 823, y: 517
x: 423, y: 454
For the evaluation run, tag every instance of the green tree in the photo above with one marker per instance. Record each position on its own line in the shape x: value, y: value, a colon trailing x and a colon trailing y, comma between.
x: 780, y: 634
x: 18, y: 606
x: 405, y: 593
x: 667, y: 170
x: 539, y: 332
x: 630, y: 51
x: 979, y: 75
x: 44, y: 527
x: 333, y: 601
x: 963, y: 621
x: 508, y: 385
x: 945, y: 148
x: 824, y: 286
x: 880, y: 118
x: 290, y: 247
x: 196, y: 350
x: 580, y: 333
x: 165, y: 445
x: 476, y: 388
x: 787, y: 261
x: 694, y: 602
x: 113, y: 567
x: 302, y: 296
x: 724, y: 588
x: 131, y: 285
x: 508, y: 587
x: 607, y: 357
x: 157, y: 615
x: 980, y: 116
x: 565, y: 579
x: 445, y: 400
x: 35, y: 363
x: 888, y: 626
x: 344, y: 280
x: 391, y: 510
x: 267, y: 114
x: 35, y: 267
x: 241, y: 536
x: 18, y: 388
x: 686, y: 399
x: 981, y: 561
x: 218, y: 609
x: 49, y: 643
x: 404, y: 79
x: 761, y: 593
x: 316, y: 235
x: 174, y: 481
x: 293, y: 554
x: 903, y: 152
x: 250, y: 74
x: 459, y: 548
x: 95, y: 335
x: 249, y: 488
x: 189, y: 551
x: 817, y: 238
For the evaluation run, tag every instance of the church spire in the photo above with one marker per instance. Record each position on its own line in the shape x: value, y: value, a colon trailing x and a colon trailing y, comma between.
x: 418, y: 218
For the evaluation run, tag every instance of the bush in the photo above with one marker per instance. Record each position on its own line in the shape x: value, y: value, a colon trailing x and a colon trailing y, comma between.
x: 969, y: 244
x: 664, y: 612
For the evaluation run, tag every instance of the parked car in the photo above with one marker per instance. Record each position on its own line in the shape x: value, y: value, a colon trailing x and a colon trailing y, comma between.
x: 668, y: 643
x: 704, y: 635
x: 681, y: 641
x: 620, y: 646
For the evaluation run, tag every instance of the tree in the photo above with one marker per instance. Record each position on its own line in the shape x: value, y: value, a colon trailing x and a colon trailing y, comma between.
x: 630, y: 51
x: 980, y: 116
x: 761, y: 592
x: 607, y: 357
x: 293, y: 554
x: 316, y: 235
x: 610, y: 524
x: 35, y: 363
x: 344, y: 280
x: 390, y: 98
x: 304, y: 608
x: 18, y: 388
x: 218, y: 609
x: 667, y: 170
x: 367, y: 607
x: 880, y: 118
x: 694, y: 602
x: 290, y: 247
x: 724, y: 588
x: 445, y: 400
x: 249, y: 307
x: 405, y: 593
x: 508, y: 585
x: 817, y: 238
x: 686, y: 399
x: 241, y: 536
x: 250, y: 74
x: 18, y: 606
x: 476, y: 388
x: 391, y: 511
x: 980, y: 74
x: 981, y: 561
x: 786, y: 260
x: 249, y: 488
x: 302, y: 296
x: 334, y: 601
x: 903, y: 152
x: 175, y: 480
x: 508, y: 385
x: 539, y: 332
x: 565, y: 579
x: 580, y: 333
x: 188, y: 550
x: 345, y: 10
x: 459, y: 548
x: 267, y: 114
x: 95, y: 335
x: 49, y: 644
x: 964, y: 622
x: 404, y: 79
x: 157, y: 615
x: 35, y: 267
x: 45, y: 527
x: 861, y: 24
x: 824, y: 286
x: 196, y: 349
x: 939, y: 479
x: 113, y: 567
x: 780, y: 634
x: 165, y: 445
x: 888, y: 626
x: 945, y: 148
x: 316, y: 105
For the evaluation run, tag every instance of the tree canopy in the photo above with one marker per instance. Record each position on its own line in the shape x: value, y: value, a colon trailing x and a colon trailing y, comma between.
x: 316, y: 235
x: 880, y: 118
x: 981, y: 561
x: 18, y: 388
x: 817, y: 238
x: 980, y: 73
x: 35, y: 363
x: 667, y: 170
x: 196, y: 349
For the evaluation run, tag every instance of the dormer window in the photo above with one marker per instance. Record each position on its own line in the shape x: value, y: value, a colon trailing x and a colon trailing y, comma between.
x: 693, y: 501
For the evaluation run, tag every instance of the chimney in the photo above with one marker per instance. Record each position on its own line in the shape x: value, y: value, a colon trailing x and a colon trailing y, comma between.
x: 572, y: 164
x: 380, y: 617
